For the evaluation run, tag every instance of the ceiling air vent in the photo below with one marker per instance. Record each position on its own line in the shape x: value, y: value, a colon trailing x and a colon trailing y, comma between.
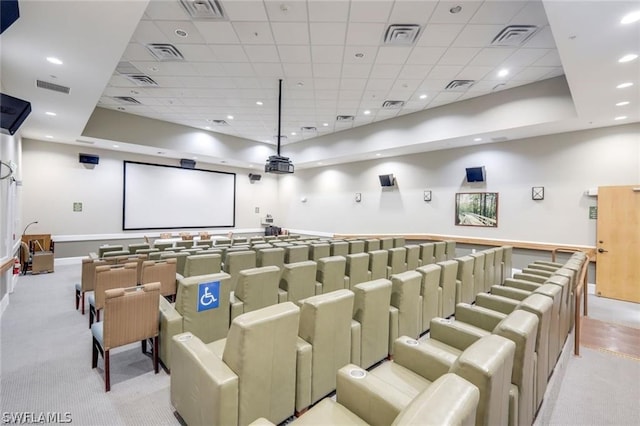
x: 203, y: 9
x: 165, y: 52
x: 141, y: 80
x: 392, y: 104
x: 459, y: 85
x: 345, y: 118
x: 514, y: 35
x: 127, y: 100
x: 308, y: 129
x: 52, y: 86
x: 401, y: 34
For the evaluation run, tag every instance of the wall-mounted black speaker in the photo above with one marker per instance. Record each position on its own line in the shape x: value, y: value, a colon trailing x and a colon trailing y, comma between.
x: 13, y: 112
x: 88, y: 158
x: 476, y: 174
x: 185, y: 163
x: 9, y: 13
x: 387, y: 180
x: 254, y: 177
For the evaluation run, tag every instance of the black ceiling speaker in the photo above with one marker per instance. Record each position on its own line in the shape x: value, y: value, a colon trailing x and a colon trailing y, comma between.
x: 387, y: 180
x: 185, y: 163
x: 13, y: 112
x: 9, y: 13
x: 88, y: 158
x: 254, y: 177
x: 476, y: 174
x: 277, y: 163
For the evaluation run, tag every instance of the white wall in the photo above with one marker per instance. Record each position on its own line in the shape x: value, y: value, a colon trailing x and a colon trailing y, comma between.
x: 54, y: 179
x: 565, y: 164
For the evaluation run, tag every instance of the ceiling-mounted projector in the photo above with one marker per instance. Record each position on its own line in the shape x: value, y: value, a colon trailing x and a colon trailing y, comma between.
x: 277, y: 163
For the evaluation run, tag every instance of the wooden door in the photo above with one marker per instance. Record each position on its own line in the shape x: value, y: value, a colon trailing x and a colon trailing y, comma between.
x: 618, y: 243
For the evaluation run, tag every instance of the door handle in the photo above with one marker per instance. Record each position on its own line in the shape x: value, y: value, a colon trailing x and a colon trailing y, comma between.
x: 602, y: 251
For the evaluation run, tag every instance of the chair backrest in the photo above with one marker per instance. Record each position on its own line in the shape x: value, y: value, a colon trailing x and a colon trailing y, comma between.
x: 450, y: 249
x: 133, y: 248
x: 137, y: 259
x: 507, y: 262
x: 397, y: 260
x: 439, y: 251
x: 107, y: 248
x: 113, y: 276
x: 497, y: 266
x: 130, y: 314
x: 202, y: 264
x: 465, y: 276
x: 426, y: 253
x: 478, y: 273
x: 237, y: 261
x: 331, y: 273
x: 429, y: 291
x: 489, y: 268
x: 371, y: 310
x: 448, y: 285
x: 88, y: 273
x: 386, y: 243
x: 356, y: 246
x: 405, y: 296
x: 163, y: 271
x: 357, y: 268
x: 239, y: 240
x: 184, y: 243
x: 339, y: 248
x: 296, y: 253
x: 115, y: 253
x: 222, y: 241
x: 162, y: 246
x: 299, y: 280
x: 450, y: 400
x: 325, y: 322
x: 201, y: 315
x: 318, y: 251
x: 258, y: 287
x: 272, y: 256
x: 181, y: 260
x: 378, y: 260
x: 371, y: 244
x: 487, y: 364
x: 261, y: 351
x: 413, y: 256
x: 399, y: 242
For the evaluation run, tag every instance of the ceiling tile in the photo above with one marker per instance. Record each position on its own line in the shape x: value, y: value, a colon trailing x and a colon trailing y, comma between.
x: 492, y: 56
x: 294, y: 54
x: 551, y: 59
x: 439, y: 34
x: 246, y: 10
x: 415, y: 12
x: 542, y: 39
x: 525, y: 57
x: 166, y: 10
x: 369, y: 53
x: 169, y: 29
x: 386, y: 113
x: 323, y: 33
x: 351, y: 95
x: 326, y: 71
x: 385, y: 71
x: 148, y: 32
x: 297, y: 70
x: 433, y: 86
x: 445, y: 97
x: 353, y: 83
x: 425, y: 55
x: 327, y: 54
x: 136, y: 52
x: 196, y: 52
x: 289, y: 11
x: 458, y: 55
x: 380, y: 84
x: 326, y: 94
x: 209, y: 68
x: 414, y: 71
x: 532, y: 73
x: 238, y: 69
x: 262, y: 53
x: 477, y: 35
x: 365, y: 34
x: 474, y: 73
x: 327, y: 84
x: 166, y: 68
x: 370, y: 11
x: 393, y: 55
x: 442, y: 14
x: 268, y: 70
x: 444, y: 72
x: 532, y: 13
x: 253, y: 32
x: 217, y: 32
x: 328, y: 11
x: 406, y: 85
x: 497, y: 12
x: 290, y: 33
x: 229, y: 53
x: 355, y: 70
x: 250, y: 83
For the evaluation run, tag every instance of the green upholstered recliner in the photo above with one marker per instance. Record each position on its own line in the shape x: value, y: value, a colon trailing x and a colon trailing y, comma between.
x: 202, y: 264
x: 429, y: 285
x: 426, y: 253
x: 256, y: 288
x: 318, y: 251
x: 447, y: 290
x: 339, y: 248
x: 298, y: 280
x: 397, y: 261
x: 357, y: 268
x: 464, y: 281
x: 378, y: 260
x: 439, y: 251
x: 331, y: 273
x: 405, y: 309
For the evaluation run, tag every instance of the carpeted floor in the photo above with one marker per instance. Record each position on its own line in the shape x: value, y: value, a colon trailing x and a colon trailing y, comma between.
x: 45, y: 353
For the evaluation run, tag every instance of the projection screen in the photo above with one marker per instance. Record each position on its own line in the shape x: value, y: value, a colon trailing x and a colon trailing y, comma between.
x: 165, y: 197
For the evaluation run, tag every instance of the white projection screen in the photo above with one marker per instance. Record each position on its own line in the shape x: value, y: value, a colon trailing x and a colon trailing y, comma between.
x: 166, y: 197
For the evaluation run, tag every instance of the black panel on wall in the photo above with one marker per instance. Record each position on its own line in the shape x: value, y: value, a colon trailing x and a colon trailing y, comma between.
x: 13, y: 112
x: 9, y: 13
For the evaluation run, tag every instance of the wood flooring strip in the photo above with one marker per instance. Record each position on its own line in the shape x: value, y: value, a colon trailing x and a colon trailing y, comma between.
x: 610, y: 337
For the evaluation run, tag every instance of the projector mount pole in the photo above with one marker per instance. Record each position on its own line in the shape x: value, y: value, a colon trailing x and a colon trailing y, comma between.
x: 279, y: 111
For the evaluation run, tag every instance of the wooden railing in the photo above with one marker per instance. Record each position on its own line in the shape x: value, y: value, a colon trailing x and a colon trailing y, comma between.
x: 580, y: 292
x: 8, y: 264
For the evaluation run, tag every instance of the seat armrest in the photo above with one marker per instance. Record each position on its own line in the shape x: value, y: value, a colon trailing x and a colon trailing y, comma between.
x: 496, y: 303
x: 170, y: 325
x: 458, y: 291
x: 423, y: 358
x: 394, y: 325
x: 455, y: 333
x: 346, y: 282
x: 318, y: 288
x: 510, y: 292
x: 178, y: 278
x: 303, y: 374
x: 356, y: 342
x: 282, y: 296
x: 521, y: 284
x: 369, y: 397
x: 484, y: 318
x: 237, y: 306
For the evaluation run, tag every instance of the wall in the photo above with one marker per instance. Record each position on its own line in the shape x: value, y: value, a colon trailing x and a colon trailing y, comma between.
x: 565, y: 164
x: 54, y: 179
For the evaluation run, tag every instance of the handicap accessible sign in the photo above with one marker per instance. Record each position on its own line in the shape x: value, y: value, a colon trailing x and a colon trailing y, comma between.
x: 208, y: 295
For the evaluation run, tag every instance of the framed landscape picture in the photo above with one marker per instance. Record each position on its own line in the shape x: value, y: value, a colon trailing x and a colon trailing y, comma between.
x: 477, y: 209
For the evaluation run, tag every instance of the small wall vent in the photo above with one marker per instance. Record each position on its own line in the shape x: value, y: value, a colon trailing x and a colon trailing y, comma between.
x: 345, y: 118
x: 392, y: 104
x: 165, y: 52
x: 127, y: 100
x: 219, y: 122
x: 52, y: 86
x: 459, y: 85
x: 514, y: 35
x: 401, y: 34
x: 203, y: 9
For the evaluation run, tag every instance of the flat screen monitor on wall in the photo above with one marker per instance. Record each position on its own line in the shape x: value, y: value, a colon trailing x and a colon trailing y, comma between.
x: 475, y: 174
x: 387, y: 180
x: 165, y: 197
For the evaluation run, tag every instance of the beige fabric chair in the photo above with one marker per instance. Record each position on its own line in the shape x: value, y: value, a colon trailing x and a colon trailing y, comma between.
x: 357, y: 268
x: 371, y: 245
x: 497, y: 266
x: 370, y: 328
x: 235, y: 262
x: 448, y: 401
x: 318, y: 251
x: 413, y: 256
x: 439, y: 251
x: 339, y: 248
x: 507, y: 262
x: 478, y: 273
x: 181, y: 260
x: 130, y: 315
x: 386, y: 243
x: 447, y: 290
x: 429, y: 285
x: 114, y: 253
x: 404, y: 312
x: 295, y: 254
x: 133, y: 248
x: 193, y: 313
x: 356, y: 246
x: 378, y: 260
x: 399, y: 242
x: 163, y: 272
x: 162, y: 246
x: 397, y: 261
x: 87, y: 280
x: 464, y: 281
x: 248, y: 375
x: 107, y: 248
x: 298, y: 280
x: 108, y: 277
x: 450, y: 250
x: 202, y: 264
x: 325, y: 325
x: 256, y: 288
x: 272, y: 256
x: 331, y: 273
x: 426, y: 253
x: 489, y: 269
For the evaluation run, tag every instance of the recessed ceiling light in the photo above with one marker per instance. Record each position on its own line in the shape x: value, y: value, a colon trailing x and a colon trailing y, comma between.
x: 456, y: 9
x: 154, y: 69
x: 319, y: 163
x: 230, y: 117
x: 378, y: 155
x: 181, y: 33
x: 54, y: 60
x: 503, y: 72
x: 325, y: 124
x: 359, y: 55
x: 367, y: 112
x: 207, y: 127
x: 194, y: 158
x: 53, y: 114
x: 623, y: 103
x: 121, y: 109
x: 116, y: 146
x: 423, y: 96
x: 258, y: 103
x: 624, y: 85
x: 293, y: 133
x: 49, y: 137
x: 477, y: 139
x: 160, y: 153
x: 300, y: 84
x: 630, y: 18
x: 628, y: 58
x: 621, y: 117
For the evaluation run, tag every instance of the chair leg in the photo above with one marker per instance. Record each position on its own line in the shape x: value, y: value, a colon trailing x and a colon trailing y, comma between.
x: 94, y: 354
x: 155, y: 354
x: 82, y: 303
x: 77, y: 299
x: 91, y: 313
x: 107, y: 373
x: 144, y: 346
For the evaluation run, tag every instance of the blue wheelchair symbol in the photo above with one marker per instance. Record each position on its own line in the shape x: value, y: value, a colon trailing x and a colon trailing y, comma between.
x: 208, y: 296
